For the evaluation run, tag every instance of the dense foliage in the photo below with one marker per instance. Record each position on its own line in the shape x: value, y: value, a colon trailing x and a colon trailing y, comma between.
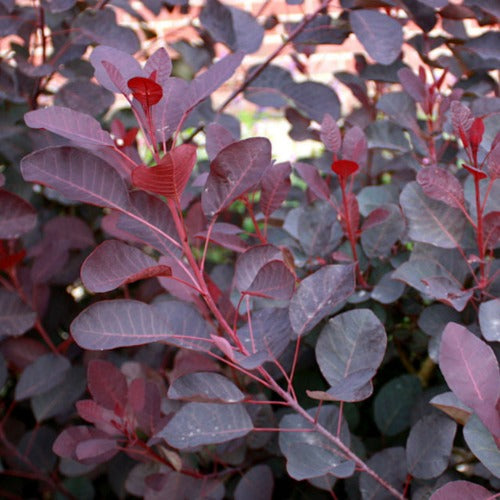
x: 183, y: 317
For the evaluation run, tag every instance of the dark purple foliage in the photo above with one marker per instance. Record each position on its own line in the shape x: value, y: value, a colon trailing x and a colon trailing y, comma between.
x: 188, y: 311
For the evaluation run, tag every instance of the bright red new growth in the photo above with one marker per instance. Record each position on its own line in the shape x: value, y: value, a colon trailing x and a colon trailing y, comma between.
x: 170, y: 176
x: 145, y: 90
x: 478, y: 174
x: 345, y: 168
x: 476, y: 132
x: 9, y: 260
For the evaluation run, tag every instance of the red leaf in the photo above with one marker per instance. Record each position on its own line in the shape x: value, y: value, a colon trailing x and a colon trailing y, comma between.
x: 170, y: 176
x: 9, y: 260
x: 476, y: 132
x: 478, y: 174
x: 345, y: 168
x: 145, y: 90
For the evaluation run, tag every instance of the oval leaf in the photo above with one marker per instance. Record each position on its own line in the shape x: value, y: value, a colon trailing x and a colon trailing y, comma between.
x: 197, y: 424
x: 351, y: 348
x: 463, y: 490
x: 319, y: 295
x: 15, y: 316
x: 114, y: 263
x: 439, y: 184
x: 235, y: 170
x: 381, y: 35
x: 17, y: 216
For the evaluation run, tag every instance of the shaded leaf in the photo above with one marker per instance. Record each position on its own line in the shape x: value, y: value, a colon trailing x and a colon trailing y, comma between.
x: 313, y: 179
x: 107, y: 384
x: 217, y: 138
x: 170, y: 177
x: 36, y: 448
x: 349, y: 351
x: 313, y: 99
x: 413, y: 85
x: 198, y: 424
x: 17, y: 216
x: 159, y: 62
x: 256, y: 484
x: 78, y: 127
x: 320, y: 295
x: 205, y: 387
x: 429, y: 444
x: 354, y: 145
x: 381, y: 35
x: 15, y: 316
x: 431, y: 221
x: 100, y: 27
x: 390, y: 464
x: 393, y: 404
x: 251, y: 261
x: 482, y: 444
x: 471, y: 371
x: 41, y: 375
x: 387, y: 290
x: 310, y: 454
x: 76, y: 174
x: 234, y: 171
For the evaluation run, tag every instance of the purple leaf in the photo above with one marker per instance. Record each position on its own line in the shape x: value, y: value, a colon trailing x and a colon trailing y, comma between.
x: 330, y: 134
x: 274, y: 281
x: 119, y: 323
x: 393, y: 403
x: 160, y: 62
x: 431, y: 221
x: 265, y: 338
x: 461, y: 118
x: 313, y: 179
x: 144, y: 399
x: 125, y: 65
x: 413, y: 85
x: 439, y: 184
x: 180, y: 289
x: 235, y: 170
x: 100, y: 27
x: 217, y: 138
x: 187, y: 326
x: 313, y: 99
x: 390, y: 464
x: 150, y: 221
x: 352, y: 343
x: 107, y: 384
x: 42, y: 375
x: 61, y: 398
x: 17, y: 216
x: 381, y: 35
x: 310, y: 454
x: 84, y: 96
x: 320, y: 295
x: 275, y: 185
x: 256, y: 483
x: 35, y: 447
x: 15, y: 316
x: 96, y: 451
x: 427, y: 263
x: 249, y: 33
x: 387, y: 290
x: 489, y: 319
x: 381, y: 230
x: 178, y: 485
x: 463, y: 490
x: 210, y: 80
x: 250, y: 262
x: 226, y: 235
x: 470, y: 369
x: 78, y: 175
x: 205, y: 387
x: 113, y: 264
x: 429, y: 444
x: 354, y: 146
x: 66, y: 122
x: 483, y: 444
x: 198, y: 424
x: 452, y: 406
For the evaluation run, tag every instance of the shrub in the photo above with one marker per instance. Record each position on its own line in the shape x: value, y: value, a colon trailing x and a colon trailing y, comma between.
x: 183, y: 317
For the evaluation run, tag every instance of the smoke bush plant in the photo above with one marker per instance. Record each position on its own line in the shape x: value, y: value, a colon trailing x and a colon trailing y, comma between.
x: 248, y: 328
